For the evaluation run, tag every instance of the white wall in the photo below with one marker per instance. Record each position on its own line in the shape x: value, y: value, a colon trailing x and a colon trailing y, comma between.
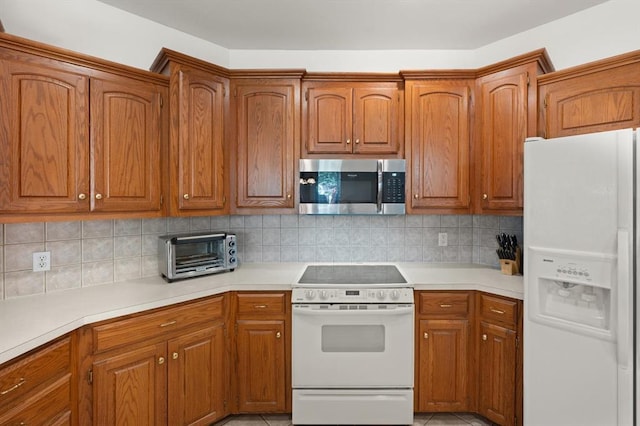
x: 97, y: 29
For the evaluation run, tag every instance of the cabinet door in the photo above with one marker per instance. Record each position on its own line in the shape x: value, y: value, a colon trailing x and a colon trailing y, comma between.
x: 376, y: 120
x: 126, y: 134
x: 197, y: 377
x: 439, y: 143
x: 497, y: 365
x: 595, y: 102
x: 442, y: 365
x: 330, y: 120
x: 261, y: 366
x: 131, y: 388
x: 267, y: 135
x: 198, y: 143
x: 503, y: 123
x: 44, y: 149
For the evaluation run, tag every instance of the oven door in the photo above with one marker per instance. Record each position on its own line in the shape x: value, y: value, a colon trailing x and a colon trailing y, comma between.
x: 352, y: 346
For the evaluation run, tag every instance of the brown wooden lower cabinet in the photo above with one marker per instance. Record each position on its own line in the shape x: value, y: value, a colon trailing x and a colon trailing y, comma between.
x: 262, y: 348
x: 467, y: 357
x: 40, y: 387
x: 173, y: 371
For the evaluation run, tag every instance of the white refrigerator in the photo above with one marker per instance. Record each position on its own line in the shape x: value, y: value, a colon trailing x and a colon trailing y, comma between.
x: 580, y: 257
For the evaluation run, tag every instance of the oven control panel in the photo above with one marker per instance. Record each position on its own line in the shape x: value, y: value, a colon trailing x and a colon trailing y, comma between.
x: 354, y: 295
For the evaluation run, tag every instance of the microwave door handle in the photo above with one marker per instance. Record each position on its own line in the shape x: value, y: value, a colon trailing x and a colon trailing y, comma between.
x: 379, y: 193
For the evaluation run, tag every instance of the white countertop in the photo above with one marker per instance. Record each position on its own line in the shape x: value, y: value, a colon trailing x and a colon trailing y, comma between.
x: 30, y: 321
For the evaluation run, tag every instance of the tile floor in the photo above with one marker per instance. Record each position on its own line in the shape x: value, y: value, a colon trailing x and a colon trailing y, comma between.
x: 437, y: 419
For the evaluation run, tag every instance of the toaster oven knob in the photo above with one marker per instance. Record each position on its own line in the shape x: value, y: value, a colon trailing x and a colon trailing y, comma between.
x: 232, y: 259
x: 381, y: 294
x: 232, y: 252
x: 310, y: 294
x: 232, y: 243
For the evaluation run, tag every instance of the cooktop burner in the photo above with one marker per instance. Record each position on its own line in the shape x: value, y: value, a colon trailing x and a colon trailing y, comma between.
x: 352, y: 274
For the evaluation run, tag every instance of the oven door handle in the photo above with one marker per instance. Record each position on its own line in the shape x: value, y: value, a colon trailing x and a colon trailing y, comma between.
x: 390, y: 312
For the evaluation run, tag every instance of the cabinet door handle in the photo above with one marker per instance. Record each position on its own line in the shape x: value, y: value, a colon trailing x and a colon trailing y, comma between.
x: 426, y: 335
x: 174, y: 355
x: 357, y: 140
x: 82, y: 196
x: 445, y: 305
x: 485, y: 196
x: 415, y: 196
x: 484, y: 337
x: 21, y: 382
x: 496, y: 311
x: 161, y: 360
x: 98, y: 196
x: 288, y: 196
x: 278, y: 335
x: 186, y: 196
x: 167, y: 324
x: 348, y: 141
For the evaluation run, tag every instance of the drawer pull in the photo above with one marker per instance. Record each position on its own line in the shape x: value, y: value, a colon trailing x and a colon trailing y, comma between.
x: 278, y: 335
x: 174, y: 355
x: 496, y: 311
x: 167, y: 324
x: 14, y: 387
x: 445, y: 305
x: 260, y: 306
x: 161, y: 360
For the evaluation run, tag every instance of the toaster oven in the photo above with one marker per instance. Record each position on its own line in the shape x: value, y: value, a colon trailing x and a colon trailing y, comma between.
x: 196, y: 254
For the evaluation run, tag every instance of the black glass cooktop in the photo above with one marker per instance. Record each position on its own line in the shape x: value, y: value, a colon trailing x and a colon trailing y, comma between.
x: 352, y: 274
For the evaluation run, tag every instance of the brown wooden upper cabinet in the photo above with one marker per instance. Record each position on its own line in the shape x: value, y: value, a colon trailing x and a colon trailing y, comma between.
x: 199, y: 176
x: 75, y: 139
x: 505, y: 117
x: 595, y: 97
x: 438, y: 130
x: 352, y: 118
x: 267, y: 135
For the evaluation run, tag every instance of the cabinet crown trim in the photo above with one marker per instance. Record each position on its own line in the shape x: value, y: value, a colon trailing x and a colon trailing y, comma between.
x: 591, y: 67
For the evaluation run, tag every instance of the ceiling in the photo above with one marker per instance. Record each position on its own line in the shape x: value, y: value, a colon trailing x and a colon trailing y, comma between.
x: 352, y: 24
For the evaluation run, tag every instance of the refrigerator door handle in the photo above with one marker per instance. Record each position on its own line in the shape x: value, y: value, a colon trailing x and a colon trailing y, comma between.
x: 624, y: 302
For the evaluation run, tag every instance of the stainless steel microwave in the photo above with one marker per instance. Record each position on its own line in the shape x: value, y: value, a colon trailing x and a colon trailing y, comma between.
x: 192, y: 255
x: 352, y: 187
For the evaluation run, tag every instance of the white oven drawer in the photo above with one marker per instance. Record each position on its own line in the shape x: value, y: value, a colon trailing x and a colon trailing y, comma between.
x: 334, y: 347
x: 352, y: 407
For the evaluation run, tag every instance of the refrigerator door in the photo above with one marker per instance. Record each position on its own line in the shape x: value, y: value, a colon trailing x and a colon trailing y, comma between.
x: 578, y: 195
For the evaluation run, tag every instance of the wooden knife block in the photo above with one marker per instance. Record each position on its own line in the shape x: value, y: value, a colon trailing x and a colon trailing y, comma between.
x: 511, y: 267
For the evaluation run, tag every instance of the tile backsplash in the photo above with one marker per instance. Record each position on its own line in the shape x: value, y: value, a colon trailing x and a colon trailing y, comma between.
x: 106, y: 251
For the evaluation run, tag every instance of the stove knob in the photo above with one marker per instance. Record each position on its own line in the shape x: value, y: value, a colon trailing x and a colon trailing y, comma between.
x: 310, y: 294
x: 395, y: 294
x: 381, y: 294
x: 324, y: 294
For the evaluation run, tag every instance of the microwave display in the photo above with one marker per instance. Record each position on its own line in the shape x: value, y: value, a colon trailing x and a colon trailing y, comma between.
x: 352, y: 186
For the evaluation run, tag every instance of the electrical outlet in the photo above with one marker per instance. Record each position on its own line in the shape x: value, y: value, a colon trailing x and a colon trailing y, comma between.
x: 442, y: 239
x: 42, y: 261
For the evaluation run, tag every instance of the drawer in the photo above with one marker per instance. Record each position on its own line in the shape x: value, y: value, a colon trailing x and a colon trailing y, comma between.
x: 156, y: 324
x: 261, y: 303
x: 444, y: 303
x: 19, y: 378
x: 50, y: 406
x: 499, y: 309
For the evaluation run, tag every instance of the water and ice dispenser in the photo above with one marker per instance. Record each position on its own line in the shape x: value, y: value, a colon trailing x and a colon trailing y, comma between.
x: 573, y: 291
